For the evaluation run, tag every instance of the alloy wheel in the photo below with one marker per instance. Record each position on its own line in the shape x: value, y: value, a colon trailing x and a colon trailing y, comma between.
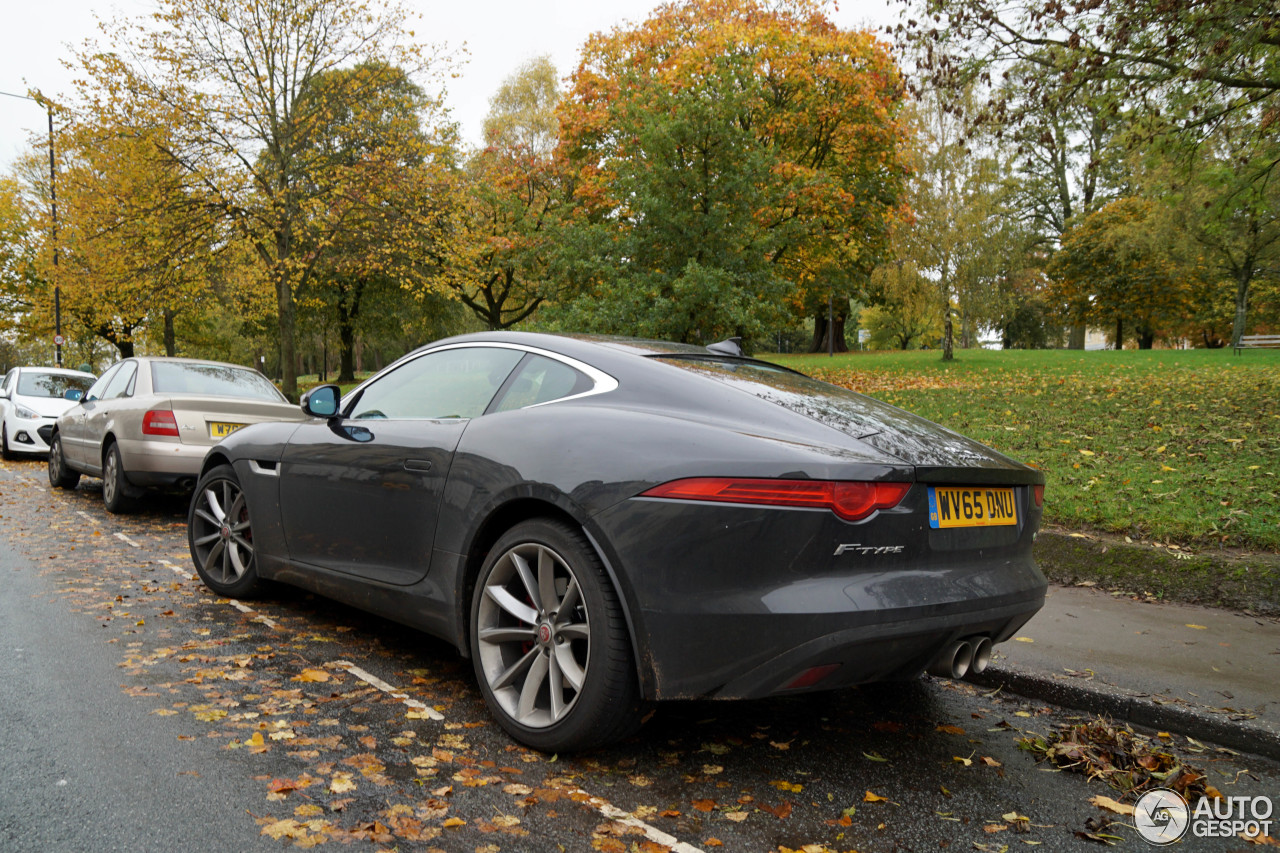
x: 534, y: 635
x: 221, y: 537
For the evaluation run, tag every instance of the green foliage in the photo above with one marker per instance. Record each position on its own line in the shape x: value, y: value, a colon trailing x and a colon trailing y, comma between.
x: 1118, y: 265
x: 730, y: 162
x: 509, y: 201
x: 1172, y: 445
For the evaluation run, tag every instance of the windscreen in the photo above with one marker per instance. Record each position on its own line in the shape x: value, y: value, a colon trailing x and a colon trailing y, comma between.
x: 212, y: 380
x: 31, y: 384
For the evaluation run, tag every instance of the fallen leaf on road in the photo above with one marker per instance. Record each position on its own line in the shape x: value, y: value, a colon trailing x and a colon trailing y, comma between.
x: 1111, y: 805
x: 874, y: 798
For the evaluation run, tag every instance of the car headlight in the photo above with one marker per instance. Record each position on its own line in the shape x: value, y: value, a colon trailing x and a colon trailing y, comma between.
x: 25, y: 413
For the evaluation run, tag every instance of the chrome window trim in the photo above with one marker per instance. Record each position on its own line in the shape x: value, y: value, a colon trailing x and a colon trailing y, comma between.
x: 603, y: 383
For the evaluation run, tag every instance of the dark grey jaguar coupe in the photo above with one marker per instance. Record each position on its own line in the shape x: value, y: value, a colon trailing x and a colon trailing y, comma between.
x: 598, y: 523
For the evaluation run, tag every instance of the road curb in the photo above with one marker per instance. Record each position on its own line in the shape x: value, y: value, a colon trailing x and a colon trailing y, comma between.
x: 1140, y: 709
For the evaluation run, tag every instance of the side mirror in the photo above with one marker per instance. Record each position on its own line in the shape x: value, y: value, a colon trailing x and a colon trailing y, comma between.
x: 75, y: 395
x: 322, y: 401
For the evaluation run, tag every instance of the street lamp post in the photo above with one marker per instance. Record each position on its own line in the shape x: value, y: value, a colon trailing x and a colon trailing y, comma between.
x: 53, y: 205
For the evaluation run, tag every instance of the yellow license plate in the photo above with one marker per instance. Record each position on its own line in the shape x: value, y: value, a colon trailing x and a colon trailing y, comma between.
x: 220, y: 430
x: 972, y: 506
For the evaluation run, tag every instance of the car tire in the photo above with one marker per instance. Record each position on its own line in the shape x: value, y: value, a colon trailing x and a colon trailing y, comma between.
x: 545, y: 620
x: 220, y: 535
x: 60, y: 476
x: 115, y: 487
x: 5, y: 453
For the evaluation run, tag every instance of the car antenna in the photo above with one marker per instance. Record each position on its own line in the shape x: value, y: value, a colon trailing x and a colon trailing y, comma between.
x: 729, y: 346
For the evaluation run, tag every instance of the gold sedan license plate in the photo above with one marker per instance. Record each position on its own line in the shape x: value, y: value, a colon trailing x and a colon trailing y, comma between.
x: 221, y: 430
x: 971, y: 506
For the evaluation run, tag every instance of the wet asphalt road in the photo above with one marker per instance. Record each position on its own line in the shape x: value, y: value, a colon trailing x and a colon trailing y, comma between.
x: 140, y: 712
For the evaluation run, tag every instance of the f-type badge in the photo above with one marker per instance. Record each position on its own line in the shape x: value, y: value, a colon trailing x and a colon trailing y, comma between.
x: 855, y: 548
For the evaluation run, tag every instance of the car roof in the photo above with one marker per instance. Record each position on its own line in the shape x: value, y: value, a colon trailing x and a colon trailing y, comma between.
x: 61, y: 371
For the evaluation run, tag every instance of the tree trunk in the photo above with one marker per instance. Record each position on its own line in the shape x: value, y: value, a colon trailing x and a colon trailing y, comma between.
x: 836, y: 330
x: 288, y: 335
x: 1120, y: 333
x: 947, y: 337
x: 1244, y: 276
x: 170, y: 339
x: 347, y: 336
x: 1075, y: 338
x: 126, y: 348
x: 1146, y: 339
x: 819, y: 343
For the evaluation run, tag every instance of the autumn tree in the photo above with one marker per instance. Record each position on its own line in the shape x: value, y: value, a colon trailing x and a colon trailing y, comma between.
x: 22, y: 287
x: 1227, y: 198
x: 964, y: 222
x: 230, y: 80
x: 731, y: 161
x: 1117, y: 261
x: 906, y: 314
x: 510, y: 198
x: 379, y: 204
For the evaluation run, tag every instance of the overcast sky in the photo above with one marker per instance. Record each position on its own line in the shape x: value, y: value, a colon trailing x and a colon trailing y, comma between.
x: 499, y: 35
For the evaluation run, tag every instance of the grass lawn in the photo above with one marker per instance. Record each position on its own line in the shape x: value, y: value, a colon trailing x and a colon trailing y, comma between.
x: 1177, y: 446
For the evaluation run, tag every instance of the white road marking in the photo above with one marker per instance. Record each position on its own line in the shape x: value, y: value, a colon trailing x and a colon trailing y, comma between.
x: 179, y: 570
x: 127, y: 540
x: 85, y: 515
x: 374, y: 681
x: 652, y: 833
x: 265, y: 620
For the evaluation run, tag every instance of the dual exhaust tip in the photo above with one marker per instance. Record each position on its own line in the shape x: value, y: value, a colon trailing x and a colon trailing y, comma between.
x: 962, y: 657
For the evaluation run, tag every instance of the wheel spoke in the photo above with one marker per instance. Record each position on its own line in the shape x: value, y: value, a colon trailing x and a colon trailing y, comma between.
x: 526, y: 578
x: 513, y: 672
x: 214, y: 556
x: 509, y: 603
x: 211, y: 500
x: 508, y: 635
x: 572, y: 596
x: 575, y: 631
x: 237, y: 559
x: 532, y: 684
x: 568, y: 666
x: 205, y: 540
x: 204, y: 516
x: 555, y: 685
x: 547, y: 581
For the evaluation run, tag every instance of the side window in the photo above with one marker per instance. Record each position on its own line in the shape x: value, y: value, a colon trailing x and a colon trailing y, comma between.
x: 119, y: 385
x: 8, y: 380
x: 96, y: 389
x: 453, y: 383
x: 541, y: 380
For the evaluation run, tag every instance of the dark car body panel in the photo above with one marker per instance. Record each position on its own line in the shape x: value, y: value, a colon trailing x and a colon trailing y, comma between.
x: 722, y: 600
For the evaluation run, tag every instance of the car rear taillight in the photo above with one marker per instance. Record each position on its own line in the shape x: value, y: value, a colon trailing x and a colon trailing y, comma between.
x: 159, y: 422
x: 851, y: 500
x: 1037, y: 492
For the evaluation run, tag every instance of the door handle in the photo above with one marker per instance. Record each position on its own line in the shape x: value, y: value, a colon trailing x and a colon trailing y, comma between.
x: 417, y: 464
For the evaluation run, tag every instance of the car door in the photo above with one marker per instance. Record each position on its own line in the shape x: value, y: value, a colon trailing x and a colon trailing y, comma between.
x: 72, y: 424
x: 100, y: 414
x: 360, y: 493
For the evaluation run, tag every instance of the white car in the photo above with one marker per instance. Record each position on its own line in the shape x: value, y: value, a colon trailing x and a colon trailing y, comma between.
x: 31, y: 398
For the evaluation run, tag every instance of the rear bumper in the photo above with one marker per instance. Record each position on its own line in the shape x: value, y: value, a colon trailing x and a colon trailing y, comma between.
x: 160, y: 463
x: 835, y: 650
x: 734, y: 602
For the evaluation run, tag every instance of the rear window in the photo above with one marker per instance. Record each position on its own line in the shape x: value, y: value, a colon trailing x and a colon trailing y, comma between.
x: 212, y: 380
x: 847, y: 411
x: 51, y: 384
